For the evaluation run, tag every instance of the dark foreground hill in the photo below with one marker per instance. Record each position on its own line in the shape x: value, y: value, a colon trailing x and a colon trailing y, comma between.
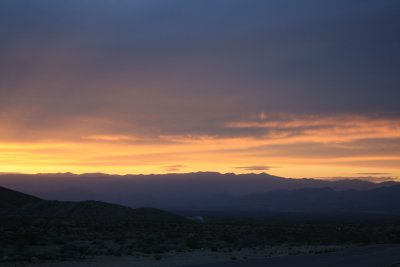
x: 11, y: 200
x: 18, y: 205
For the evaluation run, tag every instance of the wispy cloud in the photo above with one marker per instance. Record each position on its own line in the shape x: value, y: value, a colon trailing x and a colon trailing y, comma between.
x: 174, y: 168
x: 255, y: 168
x: 112, y: 138
x: 375, y: 179
x: 373, y: 173
x: 319, y: 128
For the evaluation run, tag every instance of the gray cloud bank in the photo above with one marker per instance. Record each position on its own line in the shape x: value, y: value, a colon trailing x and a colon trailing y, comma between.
x: 189, y: 67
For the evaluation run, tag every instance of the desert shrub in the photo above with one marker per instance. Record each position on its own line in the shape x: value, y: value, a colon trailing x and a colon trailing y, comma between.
x: 192, y: 242
x: 157, y: 257
x: 214, y: 249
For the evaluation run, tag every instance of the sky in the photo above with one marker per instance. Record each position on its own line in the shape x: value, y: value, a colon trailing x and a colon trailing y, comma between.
x: 292, y: 88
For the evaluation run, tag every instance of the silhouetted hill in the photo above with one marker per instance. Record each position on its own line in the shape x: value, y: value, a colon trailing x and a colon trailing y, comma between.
x: 15, y: 204
x: 379, y: 200
x: 11, y: 200
x: 171, y: 191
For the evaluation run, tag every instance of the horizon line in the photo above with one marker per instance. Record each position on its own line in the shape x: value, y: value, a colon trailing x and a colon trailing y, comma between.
x: 369, y: 178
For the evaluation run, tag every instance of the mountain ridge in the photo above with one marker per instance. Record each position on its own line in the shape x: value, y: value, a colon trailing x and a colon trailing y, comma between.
x: 165, y: 190
x: 19, y: 205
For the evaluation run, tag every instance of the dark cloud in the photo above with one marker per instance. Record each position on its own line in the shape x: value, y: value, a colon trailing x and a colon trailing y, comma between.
x: 189, y: 67
x: 255, y: 168
x: 174, y: 168
x: 375, y: 179
x: 374, y: 173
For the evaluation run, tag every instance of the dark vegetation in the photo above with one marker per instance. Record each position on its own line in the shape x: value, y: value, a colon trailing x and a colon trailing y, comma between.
x: 24, y: 239
x: 34, y: 229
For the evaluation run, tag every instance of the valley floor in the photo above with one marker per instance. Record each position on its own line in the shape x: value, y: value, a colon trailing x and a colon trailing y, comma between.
x: 279, y: 256
x: 369, y: 256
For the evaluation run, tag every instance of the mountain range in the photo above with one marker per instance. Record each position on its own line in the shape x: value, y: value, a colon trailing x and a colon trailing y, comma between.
x: 383, y: 200
x: 183, y: 191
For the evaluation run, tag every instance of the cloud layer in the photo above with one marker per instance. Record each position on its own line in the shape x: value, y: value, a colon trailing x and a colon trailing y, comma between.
x: 156, y: 86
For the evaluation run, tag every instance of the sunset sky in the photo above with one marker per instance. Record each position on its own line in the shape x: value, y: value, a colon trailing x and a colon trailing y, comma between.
x: 292, y: 88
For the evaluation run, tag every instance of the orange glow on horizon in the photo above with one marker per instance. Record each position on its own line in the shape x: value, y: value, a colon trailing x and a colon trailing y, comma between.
x: 330, y: 148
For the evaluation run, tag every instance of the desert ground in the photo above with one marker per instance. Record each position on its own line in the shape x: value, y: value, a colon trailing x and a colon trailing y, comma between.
x: 368, y: 256
x: 326, y: 256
